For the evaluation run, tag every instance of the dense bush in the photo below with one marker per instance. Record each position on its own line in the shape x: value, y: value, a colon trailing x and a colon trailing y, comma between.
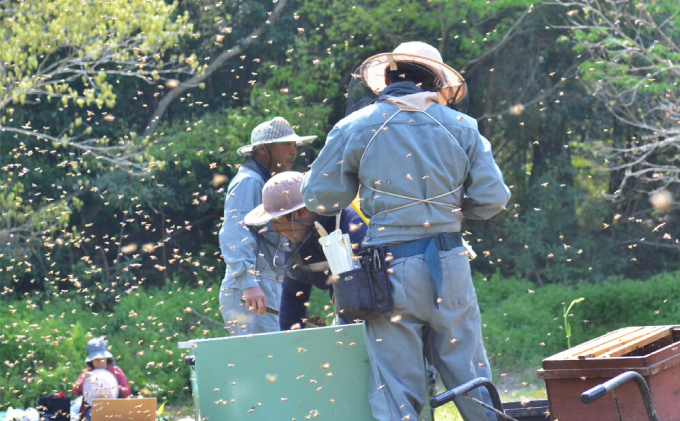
x: 524, y: 324
x: 43, y: 344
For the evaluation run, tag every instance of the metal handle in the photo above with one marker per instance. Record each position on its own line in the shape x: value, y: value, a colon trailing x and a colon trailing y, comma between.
x: 591, y: 395
x: 449, y: 395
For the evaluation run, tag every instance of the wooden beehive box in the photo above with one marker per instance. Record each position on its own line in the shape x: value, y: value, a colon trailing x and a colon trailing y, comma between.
x: 651, y: 351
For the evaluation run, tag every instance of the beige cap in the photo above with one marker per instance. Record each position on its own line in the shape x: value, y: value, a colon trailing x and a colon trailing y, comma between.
x: 281, y: 195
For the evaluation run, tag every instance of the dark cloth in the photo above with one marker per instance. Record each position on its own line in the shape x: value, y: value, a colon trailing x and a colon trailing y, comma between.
x: 55, y: 407
x: 293, y: 308
x: 257, y: 166
x: 401, y: 89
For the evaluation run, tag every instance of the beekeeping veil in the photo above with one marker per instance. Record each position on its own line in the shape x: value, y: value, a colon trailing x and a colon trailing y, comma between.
x: 303, y: 259
x: 368, y: 81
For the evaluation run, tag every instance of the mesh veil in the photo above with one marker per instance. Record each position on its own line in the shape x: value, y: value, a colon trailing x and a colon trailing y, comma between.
x: 358, y: 94
x: 300, y: 261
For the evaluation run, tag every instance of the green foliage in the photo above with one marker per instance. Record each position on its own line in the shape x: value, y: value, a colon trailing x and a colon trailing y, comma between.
x: 99, y: 33
x: 44, y: 335
x: 160, y: 410
x: 21, y: 222
x: 320, y: 305
x: 565, y: 315
x: 524, y: 324
x: 629, y: 49
x: 61, y: 77
x: 44, y: 339
x: 552, y: 235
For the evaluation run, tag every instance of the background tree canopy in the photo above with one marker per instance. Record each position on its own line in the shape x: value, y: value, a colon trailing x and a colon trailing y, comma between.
x: 120, y: 121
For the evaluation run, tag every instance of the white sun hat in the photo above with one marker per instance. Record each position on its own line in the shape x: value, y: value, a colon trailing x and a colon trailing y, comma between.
x: 280, y: 196
x: 451, y: 85
x: 273, y: 131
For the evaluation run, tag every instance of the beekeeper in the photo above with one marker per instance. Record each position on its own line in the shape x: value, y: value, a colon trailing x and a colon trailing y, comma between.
x: 249, y: 285
x: 300, y: 259
x: 420, y: 166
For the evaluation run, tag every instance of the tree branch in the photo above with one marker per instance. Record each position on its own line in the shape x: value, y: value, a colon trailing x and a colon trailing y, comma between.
x: 506, y: 38
x: 168, y: 98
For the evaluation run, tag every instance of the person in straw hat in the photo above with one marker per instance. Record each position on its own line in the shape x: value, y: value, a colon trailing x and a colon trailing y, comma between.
x: 249, y: 285
x: 300, y: 259
x: 420, y: 167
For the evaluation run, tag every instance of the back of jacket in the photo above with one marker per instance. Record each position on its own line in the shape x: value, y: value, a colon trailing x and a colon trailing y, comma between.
x: 417, y: 173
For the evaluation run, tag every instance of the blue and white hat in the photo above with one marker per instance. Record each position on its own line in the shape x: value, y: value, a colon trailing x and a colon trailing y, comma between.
x: 97, y: 348
x: 273, y: 131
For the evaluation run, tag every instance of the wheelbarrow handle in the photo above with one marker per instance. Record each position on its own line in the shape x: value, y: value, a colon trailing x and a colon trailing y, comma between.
x: 449, y: 395
x: 595, y: 393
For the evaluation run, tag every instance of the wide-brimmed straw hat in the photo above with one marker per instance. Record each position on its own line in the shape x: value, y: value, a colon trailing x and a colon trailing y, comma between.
x: 451, y: 85
x: 273, y: 131
x: 97, y: 348
x: 280, y: 196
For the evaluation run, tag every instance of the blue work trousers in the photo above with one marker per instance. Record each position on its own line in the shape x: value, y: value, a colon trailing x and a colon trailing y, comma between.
x: 450, y: 337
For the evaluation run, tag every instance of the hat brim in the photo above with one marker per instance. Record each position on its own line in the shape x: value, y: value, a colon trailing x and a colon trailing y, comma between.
x: 453, y: 86
x: 299, y: 141
x: 259, y: 216
x: 98, y: 355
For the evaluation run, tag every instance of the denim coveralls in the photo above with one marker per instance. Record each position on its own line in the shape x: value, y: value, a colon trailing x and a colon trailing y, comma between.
x: 419, y: 170
x: 245, y: 268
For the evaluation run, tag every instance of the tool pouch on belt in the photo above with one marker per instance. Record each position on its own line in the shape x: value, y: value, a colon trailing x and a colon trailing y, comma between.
x: 365, y: 292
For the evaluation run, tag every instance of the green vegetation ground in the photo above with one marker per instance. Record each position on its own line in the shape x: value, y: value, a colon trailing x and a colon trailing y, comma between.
x: 43, y: 339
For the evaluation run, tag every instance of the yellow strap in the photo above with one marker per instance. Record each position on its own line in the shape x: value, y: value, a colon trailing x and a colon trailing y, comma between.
x: 356, y: 204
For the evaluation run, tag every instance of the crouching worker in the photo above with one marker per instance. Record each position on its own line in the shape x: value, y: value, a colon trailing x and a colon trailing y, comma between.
x: 101, y: 379
x: 301, y: 260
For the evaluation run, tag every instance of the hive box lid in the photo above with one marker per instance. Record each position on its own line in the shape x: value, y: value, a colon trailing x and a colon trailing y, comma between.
x: 645, y: 349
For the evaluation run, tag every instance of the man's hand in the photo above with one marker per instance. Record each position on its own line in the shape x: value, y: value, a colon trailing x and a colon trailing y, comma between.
x: 255, y: 300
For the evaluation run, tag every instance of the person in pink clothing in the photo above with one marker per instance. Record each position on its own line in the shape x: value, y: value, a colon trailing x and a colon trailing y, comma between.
x: 99, y: 357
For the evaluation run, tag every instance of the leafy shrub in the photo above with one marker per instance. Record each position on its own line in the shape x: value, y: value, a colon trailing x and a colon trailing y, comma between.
x: 43, y: 344
x: 524, y: 324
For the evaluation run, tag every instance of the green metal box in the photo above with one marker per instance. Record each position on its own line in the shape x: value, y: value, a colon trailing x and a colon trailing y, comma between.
x: 317, y: 373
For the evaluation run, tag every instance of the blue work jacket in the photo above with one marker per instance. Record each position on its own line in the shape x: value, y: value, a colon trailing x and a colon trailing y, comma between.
x: 418, y: 173
x: 245, y: 265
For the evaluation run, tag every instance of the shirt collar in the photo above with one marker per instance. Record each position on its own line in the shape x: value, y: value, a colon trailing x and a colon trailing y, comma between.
x: 257, y: 166
x: 401, y: 89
